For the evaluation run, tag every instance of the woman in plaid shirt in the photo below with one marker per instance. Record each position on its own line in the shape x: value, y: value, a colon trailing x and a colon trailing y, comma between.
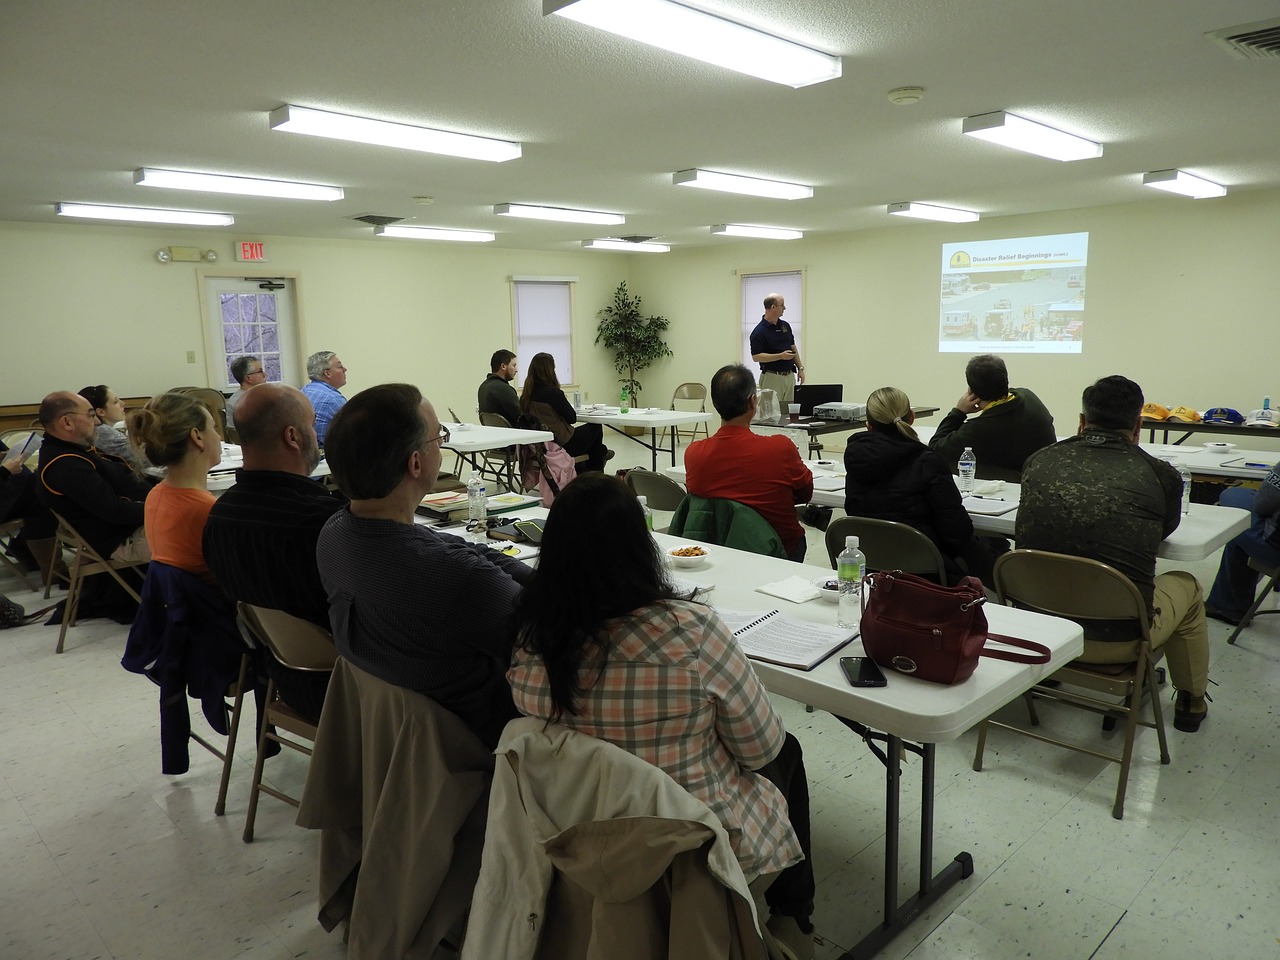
x: 606, y: 647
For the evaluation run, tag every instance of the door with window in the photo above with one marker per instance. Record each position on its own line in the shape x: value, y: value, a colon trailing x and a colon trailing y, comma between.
x: 252, y: 317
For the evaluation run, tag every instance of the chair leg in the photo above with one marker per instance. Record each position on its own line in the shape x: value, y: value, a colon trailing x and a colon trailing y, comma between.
x: 1157, y: 712
x: 982, y: 743
x: 255, y: 789
x: 1253, y: 609
x: 220, y: 805
x: 74, y: 588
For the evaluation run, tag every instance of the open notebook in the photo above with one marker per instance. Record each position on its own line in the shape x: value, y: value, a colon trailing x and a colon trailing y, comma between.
x: 776, y: 638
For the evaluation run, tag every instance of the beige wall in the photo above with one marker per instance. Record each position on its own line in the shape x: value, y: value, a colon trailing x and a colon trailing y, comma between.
x: 1178, y: 299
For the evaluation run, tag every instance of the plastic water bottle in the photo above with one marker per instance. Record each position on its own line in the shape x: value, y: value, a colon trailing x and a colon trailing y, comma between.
x: 966, y: 468
x: 624, y: 401
x: 648, y: 514
x: 849, y: 567
x: 477, y: 502
x: 1185, y: 473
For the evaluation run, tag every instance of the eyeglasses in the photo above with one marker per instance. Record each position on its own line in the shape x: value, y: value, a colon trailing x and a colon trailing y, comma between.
x: 492, y: 523
x: 443, y: 438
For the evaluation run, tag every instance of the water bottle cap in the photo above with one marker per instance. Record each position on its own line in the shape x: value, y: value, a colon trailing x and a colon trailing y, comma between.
x: 851, y: 542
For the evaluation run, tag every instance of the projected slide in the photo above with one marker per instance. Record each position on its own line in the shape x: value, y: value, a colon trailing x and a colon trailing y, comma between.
x: 1021, y: 295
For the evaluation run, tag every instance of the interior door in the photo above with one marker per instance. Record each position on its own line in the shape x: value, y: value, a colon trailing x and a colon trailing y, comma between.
x: 251, y: 317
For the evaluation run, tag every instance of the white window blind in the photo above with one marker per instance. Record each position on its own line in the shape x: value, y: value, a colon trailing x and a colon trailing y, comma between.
x: 544, y: 324
x: 757, y: 286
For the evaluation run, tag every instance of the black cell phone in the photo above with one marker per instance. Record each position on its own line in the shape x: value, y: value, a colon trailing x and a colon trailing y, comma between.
x: 532, y: 530
x: 862, y: 672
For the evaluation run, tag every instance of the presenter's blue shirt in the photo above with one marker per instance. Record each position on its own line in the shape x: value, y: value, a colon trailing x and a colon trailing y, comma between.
x: 773, y: 338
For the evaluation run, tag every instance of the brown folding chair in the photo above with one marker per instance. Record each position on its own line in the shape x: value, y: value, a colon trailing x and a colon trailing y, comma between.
x: 499, y: 464
x: 688, y: 392
x: 298, y: 645
x: 86, y: 562
x: 8, y: 531
x: 888, y: 545
x: 1086, y: 591
x: 213, y: 400
x: 1270, y: 576
x: 661, y: 493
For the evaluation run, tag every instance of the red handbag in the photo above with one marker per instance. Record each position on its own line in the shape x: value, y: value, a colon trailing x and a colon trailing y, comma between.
x: 916, y: 627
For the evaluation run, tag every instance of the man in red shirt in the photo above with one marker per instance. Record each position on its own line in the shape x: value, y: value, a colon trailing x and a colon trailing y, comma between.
x: 764, y: 473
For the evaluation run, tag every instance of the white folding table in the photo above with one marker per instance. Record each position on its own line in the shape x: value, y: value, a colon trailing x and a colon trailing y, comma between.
x: 650, y: 418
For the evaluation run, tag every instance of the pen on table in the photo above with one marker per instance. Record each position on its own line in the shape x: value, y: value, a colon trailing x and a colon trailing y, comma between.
x: 983, y: 496
x: 1260, y: 466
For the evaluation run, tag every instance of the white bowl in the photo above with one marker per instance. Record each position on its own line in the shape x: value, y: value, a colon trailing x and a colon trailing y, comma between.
x: 688, y: 561
x: 827, y: 594
x: 1217, y: 446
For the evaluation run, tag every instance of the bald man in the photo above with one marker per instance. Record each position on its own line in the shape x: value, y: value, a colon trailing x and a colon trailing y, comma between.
x: 96, y: 493
x: 260, y: 538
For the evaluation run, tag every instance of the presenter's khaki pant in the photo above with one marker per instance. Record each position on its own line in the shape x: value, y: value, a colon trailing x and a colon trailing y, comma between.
x: 783, y: 384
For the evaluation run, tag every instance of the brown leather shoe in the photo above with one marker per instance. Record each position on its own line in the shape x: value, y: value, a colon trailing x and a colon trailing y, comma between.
x: 1189, y: 712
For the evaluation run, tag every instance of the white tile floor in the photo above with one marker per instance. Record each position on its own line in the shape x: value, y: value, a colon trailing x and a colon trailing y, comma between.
x: 103, y: 856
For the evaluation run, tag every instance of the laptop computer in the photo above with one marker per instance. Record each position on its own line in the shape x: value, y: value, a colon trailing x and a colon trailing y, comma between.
x: 810, y: 395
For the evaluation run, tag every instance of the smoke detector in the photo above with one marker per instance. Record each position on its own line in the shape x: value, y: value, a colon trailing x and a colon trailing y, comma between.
x: 902, y: 96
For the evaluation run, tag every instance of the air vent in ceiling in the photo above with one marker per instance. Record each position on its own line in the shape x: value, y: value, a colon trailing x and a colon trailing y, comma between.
x: 636, y: 239
x: 374, y: 220
x: 1249, y: 41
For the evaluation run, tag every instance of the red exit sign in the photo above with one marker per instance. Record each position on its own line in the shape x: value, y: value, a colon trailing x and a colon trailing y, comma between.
x: 250, y: 251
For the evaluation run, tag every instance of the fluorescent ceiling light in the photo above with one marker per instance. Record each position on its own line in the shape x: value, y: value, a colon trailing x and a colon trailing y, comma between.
x: 1027, y: 135
x: 530, y: 211
x: 732, y: 183
x: 626, y: 246
x: 928, y: 211
x: 748, y: 230
x: 433, y: 233
x: 339, y: 126
x: 1175, y: 181
x: 247, y: 186
x: 94, y: 211
x: 703, y: 36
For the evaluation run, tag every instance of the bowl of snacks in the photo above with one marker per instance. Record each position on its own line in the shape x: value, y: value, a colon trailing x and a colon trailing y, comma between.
x: 1218, y: 447
x: 688, y: 554
x: 828, y: 588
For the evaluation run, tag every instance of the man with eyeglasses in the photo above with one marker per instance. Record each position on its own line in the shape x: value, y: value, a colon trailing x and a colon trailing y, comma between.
x: 328, y: 377
x: 98, y: 494
x: 414, y: 607
x: 248, y: 373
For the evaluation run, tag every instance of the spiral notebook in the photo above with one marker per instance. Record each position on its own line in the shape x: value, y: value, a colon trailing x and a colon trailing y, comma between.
x: 776, y: 638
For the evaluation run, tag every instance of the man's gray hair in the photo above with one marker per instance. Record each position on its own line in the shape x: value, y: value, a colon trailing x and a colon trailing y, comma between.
x: 318, y: 363
x: 240, y: 367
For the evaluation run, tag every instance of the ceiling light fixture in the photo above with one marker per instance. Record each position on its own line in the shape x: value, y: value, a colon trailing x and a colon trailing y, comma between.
x: 1020, y: 133
x: 748, y: 230
x: 626, y: 246
x: 95, y: 211
x: 703, y: 36
x: 732, y: 183
x: 532, y: 211
x: 339, y: 126
x: 1175, y: 181
x: 434, y: 233
x: 246, y: 186
x: 929, y: 211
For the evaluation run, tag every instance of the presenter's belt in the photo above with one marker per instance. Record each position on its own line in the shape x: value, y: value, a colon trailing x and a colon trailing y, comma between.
x: 778, y: 366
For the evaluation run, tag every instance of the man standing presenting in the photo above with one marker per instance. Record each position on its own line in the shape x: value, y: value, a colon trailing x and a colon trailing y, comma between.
x: 773, y: 346
x: 416, y: 608
x: 248, y: 373
x: 1013, y: 424
x: 98, y: 494
x: 1099, y: 495
x: 764, y: 473
x: 328, y: 377
x: 496, y: 394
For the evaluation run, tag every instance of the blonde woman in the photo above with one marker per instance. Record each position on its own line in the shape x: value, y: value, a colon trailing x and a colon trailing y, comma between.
x: 178, y: 433
x: 892, y: 475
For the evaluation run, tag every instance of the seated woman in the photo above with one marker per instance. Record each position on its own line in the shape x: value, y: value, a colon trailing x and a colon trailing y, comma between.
x: 106, y: 438
x: 623, y: 658
x: 178, y: 433
x: 543, y: 399
x: 892, y: 475
x: 18, y: 501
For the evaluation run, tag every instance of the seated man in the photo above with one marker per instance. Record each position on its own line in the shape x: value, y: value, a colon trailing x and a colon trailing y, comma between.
x: 411, y: 606
x: 248, y: 373
x: 18, y: 501
x: 496, y: 395
x: 1014, y: 423
x: 1099, y: 495
x: 260, y: 537
x: 328, y: 377
x: 765, y: 473
x: 1236, y: 584
x: 98, y: 494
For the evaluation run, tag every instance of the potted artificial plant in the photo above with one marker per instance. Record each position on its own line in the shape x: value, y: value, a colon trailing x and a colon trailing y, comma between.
x: 636, y: 340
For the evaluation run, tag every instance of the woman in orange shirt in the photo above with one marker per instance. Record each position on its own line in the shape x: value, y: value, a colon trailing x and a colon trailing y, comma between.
x: 178, y: 433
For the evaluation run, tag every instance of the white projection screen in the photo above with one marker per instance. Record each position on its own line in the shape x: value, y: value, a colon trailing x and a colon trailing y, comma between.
x: 1019, y: 295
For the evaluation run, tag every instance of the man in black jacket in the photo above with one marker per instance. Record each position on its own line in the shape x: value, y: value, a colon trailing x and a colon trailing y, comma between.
x: 96, y: 493
x: 1014, y: 423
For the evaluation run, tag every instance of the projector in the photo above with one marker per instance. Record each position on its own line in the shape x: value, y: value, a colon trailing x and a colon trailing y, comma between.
x: 840, y: 411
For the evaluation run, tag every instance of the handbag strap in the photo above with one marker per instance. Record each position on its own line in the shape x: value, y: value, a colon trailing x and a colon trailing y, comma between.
x: 1041, y: 654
